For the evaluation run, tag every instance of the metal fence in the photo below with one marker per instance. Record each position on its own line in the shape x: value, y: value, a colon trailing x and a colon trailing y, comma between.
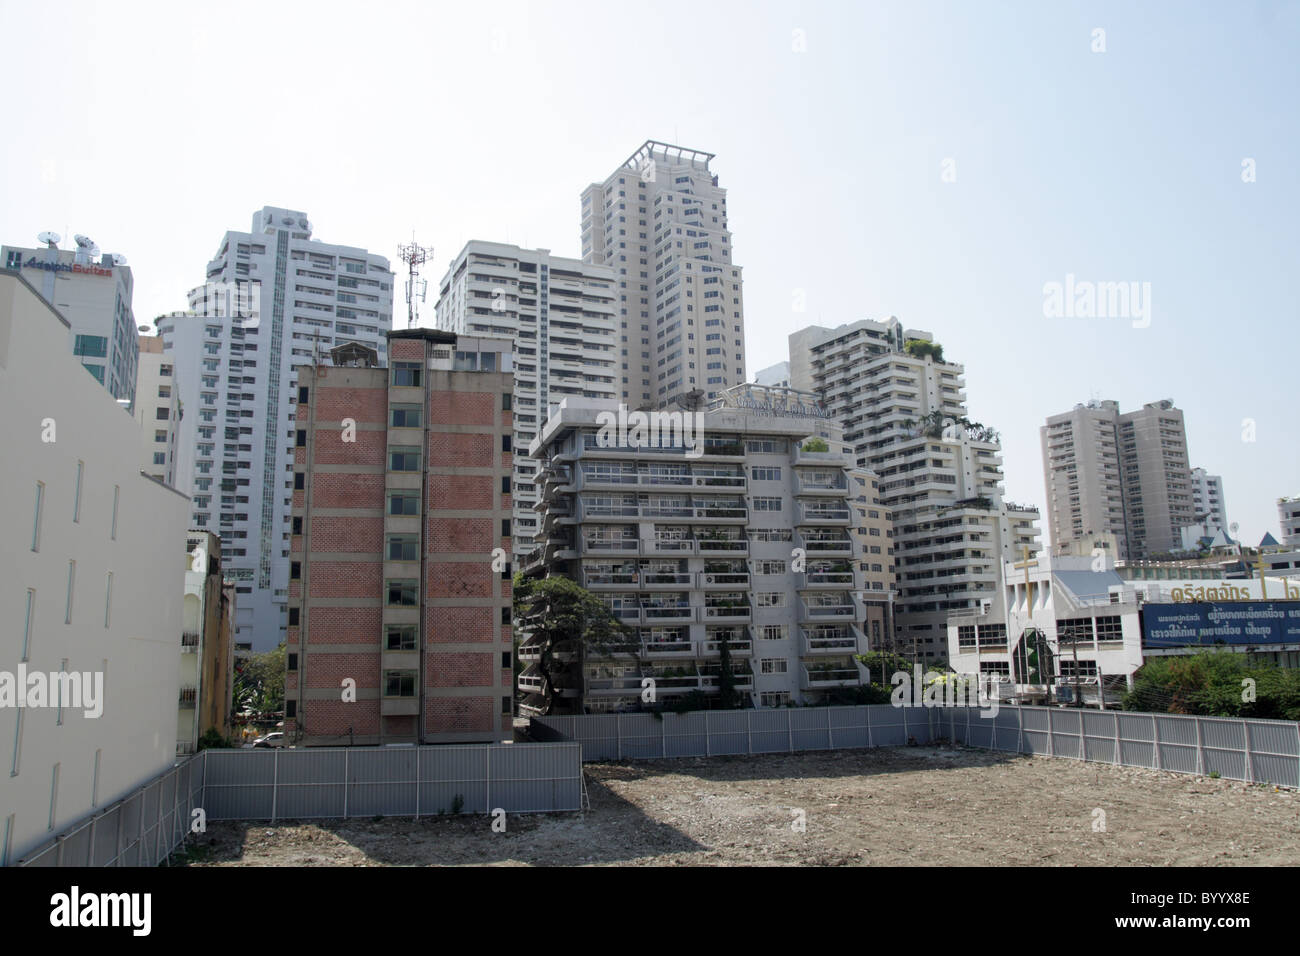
x: 1255, y: 751
x: 315, y: 783
x: 138, y: 830
x: 319, y: 783
x: 714, y: 733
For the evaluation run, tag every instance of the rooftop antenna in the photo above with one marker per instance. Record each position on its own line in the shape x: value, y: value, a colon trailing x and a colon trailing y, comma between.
x: 416, y: 288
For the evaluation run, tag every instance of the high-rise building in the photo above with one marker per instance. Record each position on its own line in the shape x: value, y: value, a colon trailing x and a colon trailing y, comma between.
x: 1288, y: 516
x: 1083, y: 475
x: 1125, y: 473
x: 874, y: 530
x: 275, y: 298
x: 1207, y: 500
x: 560, y: 315
x: 157, y: 412
x: 903, y: 410
x: 93, y: 293
x: 660, y: 222
x: 738, y: 535
x: 93, y: 587
x: 400, y: 574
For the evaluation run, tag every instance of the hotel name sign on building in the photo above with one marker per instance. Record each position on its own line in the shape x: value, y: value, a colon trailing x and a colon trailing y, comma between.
x: 83, y: 269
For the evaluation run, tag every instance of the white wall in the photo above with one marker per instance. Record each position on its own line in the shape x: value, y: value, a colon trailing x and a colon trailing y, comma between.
x: 40, y: 380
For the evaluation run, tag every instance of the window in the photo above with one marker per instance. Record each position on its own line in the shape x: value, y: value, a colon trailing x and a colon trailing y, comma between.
x: 505, y: 615
x: 766, y: 474
x: 965, y: 635
x: 295, y: 570
x: 36, y: 523
x: 403, y: 459
x: 95, y: 346
x: 769, y: 567
x: 505, y: 484
x: 505, y: 527
x: 400, y: 637
x: 403, y: 547
x: 767, y: 504
x: 406, y: 374
x: 403, y: 593
x: 505, y: 443
x: 777, y: 699
x: 108, y: 598
x: 28, y: 622
x: 297, y: 525
x: 399, y: 683
x: 505, y: 401
x: 403, y: 503
x: 772, y: 632
x: 300, y: 438
x: 76, y: 502
x: 772, y: 665
x: 404, y: 416
x: 117, y: 491
x: 1109, y: 629
x: 770, y: 599
x: 293, y: 614
x: 302, y: 394
x: 299, y: 481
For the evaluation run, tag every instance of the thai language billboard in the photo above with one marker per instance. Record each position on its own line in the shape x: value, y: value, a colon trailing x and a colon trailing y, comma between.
x: 1256, y: 622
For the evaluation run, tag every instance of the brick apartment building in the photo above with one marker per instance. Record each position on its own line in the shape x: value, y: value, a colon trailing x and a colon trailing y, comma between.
x: 401, y: 494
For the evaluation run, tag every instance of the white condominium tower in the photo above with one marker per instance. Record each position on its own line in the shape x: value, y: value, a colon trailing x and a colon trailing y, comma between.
x: 1207, y: 499
x: 660, y: 221
x: 903, y: 409
x: 1123, y: 473
x: 274, y: 298
x: 562, y: 316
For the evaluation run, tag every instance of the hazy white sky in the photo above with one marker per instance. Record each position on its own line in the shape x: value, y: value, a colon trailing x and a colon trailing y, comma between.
x: 154, y: 128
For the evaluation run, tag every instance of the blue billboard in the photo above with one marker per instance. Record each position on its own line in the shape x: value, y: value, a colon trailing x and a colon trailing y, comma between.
x: 1232, y: 622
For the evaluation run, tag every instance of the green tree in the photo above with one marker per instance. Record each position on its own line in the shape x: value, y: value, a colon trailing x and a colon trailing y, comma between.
x: 567, y: 619
x: 815, y: 444
x: 259, y: 682
x: 919, y: 348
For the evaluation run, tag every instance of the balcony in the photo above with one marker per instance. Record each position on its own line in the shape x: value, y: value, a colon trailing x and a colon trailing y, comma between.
x: 668, y: 546
x: 725, y: 482
x: 839, y: 640
x: 669, y: 648
x: 729, y: 580
x: 610, y: 546
x: 722, y: 610
x: 189, y: 642
x: 530, y: 652
x: 806, y: 514
x: 652, y: 580
x: 846, y: 611
x: 825, y: 545
x: 188, y: 695
x: 587, y: 511
x: 621, y: 580
x: 806, y: 485
x: 739, y: 645
x: 733, y: 547
x: 823, y: 458
x: 667, y: 613
x: 823, y: 676
x: 531, y: 681
x: 825, y: 579
x: 721, y: 514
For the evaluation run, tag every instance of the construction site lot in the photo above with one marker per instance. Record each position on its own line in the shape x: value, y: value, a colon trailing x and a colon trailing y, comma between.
x: 903, y: 806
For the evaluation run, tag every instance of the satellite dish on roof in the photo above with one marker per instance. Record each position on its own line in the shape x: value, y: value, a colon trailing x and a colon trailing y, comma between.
x: 287, y: 220
x: 119, y: 259
x: 51, y: 239
x: 302, y: 221
x: 84, y: 241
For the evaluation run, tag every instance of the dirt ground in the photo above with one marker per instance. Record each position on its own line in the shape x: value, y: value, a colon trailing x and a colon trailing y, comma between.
x: 894, y: 806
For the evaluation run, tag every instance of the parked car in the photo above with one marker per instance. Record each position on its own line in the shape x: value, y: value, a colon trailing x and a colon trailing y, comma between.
x: 270, y: 740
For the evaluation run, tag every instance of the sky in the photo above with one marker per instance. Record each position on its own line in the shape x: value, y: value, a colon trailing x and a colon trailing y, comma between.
x: 939, y: 162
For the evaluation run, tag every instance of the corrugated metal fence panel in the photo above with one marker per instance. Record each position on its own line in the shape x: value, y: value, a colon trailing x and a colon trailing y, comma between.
x: 309, y: 784
x: 451, y: 775
x: 1274, y: 752
x: 641, y: 736
x: 1223, y: 741
x: 810, y: 729
x: 536, y: 779
x: 239, y: 784
x: 1099, y: 732
x: 1067, y: 734
x: 769, y: 731
x: 849, y: 726
x: 729, y: 732
x: 685, y: 735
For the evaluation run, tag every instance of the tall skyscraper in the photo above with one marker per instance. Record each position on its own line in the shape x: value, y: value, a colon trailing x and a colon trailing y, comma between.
x: 1207, y: 500
x: 903, y: 408
x: 1091, y: 451
x: 93, y: 292
x: 274, y: 298
x: 660, y: 221
x: 561, y: 316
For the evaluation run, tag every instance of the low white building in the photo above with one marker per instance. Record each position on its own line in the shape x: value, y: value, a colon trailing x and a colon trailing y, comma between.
x: 1074, y: 620
x: 92, y: 587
